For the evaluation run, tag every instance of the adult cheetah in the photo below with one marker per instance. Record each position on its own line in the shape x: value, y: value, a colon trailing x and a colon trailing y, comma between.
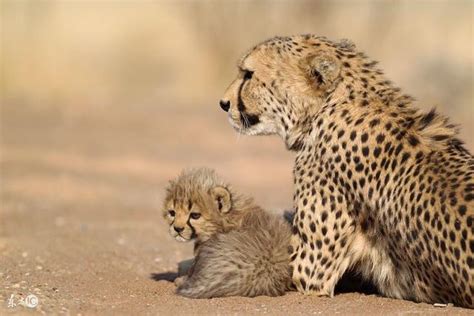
x: 380, y: 186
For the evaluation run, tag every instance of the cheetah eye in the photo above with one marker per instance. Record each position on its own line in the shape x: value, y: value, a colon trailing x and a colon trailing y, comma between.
x: 195, y: 215
x: 248, y: 74
x: 171, y: 213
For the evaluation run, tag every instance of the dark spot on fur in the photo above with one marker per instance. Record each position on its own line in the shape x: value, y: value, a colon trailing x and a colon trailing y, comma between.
x: 374, y: 122
x: 427, y: 118
x: 365, y: 151
x: 413, y: 140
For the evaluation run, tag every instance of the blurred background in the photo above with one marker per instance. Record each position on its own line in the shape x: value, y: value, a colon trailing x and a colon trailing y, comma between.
x: 102, y: 102
x: 130, y: 88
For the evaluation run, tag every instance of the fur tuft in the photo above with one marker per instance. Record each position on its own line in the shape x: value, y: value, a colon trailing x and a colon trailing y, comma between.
x: 434, y: 130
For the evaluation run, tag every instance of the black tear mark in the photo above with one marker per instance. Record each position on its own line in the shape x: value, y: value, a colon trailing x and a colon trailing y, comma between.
x: 247, y: 120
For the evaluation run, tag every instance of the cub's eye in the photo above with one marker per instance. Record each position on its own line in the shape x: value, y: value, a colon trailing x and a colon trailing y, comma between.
x: 195, y: 215
x: 248, y: 75
x: 172, y: 213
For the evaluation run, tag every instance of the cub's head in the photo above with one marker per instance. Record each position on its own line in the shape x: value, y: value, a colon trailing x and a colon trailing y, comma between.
x: 196, y: 205
x: 281, y: 80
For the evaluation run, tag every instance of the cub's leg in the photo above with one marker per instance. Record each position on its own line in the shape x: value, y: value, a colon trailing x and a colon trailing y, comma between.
x: 180, y: 280
x: 197, y: 284
x: 192, y: 288
x: 212, y: 275
x: 322, y: 234
x: 185, y: 269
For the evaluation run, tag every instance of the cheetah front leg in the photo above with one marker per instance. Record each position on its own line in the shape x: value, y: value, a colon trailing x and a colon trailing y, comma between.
x: 185, y: 270
x: 322, y: 234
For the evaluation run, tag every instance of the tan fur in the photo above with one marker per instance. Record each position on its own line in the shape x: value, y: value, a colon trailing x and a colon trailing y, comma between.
x: 240, y: 249
x: 380, y: 187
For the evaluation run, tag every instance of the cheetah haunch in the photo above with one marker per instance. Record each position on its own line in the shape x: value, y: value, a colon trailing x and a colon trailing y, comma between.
x: 380, y: 186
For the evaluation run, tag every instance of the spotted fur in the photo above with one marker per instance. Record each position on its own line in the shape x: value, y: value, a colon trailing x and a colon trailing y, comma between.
x: 240, y: 250
x: 379, y: 186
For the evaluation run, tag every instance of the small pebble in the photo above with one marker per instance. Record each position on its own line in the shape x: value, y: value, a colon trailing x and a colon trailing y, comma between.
x: 121, y: 241
x: 440, y: 305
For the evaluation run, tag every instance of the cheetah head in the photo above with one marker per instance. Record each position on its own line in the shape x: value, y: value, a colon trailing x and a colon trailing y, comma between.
x: 196, y: 204
x: 280, y: 83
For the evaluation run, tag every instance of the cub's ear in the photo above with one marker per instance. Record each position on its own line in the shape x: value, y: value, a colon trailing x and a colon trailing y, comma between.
x: 321, y: 70
x: 222, y: 199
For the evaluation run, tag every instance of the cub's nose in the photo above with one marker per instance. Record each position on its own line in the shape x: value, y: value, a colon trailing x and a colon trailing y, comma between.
x: 178, y: 229
x: 225, y: 105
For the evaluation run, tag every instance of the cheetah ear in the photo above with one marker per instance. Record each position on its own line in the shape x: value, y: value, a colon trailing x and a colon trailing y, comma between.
x: 222, y: 199
x: 346, y: 44
x: 322, y: 69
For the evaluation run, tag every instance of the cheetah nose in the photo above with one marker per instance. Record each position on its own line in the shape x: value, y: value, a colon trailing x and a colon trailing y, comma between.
x: 178, y: 229
x: 225, y: 105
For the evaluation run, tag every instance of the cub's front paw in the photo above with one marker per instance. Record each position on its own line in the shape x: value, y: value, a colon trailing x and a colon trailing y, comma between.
x: 180, y: 280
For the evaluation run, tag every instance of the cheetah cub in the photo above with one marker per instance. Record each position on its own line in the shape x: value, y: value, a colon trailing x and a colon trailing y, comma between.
x: 240, y: 250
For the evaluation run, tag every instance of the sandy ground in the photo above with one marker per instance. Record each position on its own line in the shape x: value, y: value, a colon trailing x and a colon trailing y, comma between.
x: 80, y: 212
